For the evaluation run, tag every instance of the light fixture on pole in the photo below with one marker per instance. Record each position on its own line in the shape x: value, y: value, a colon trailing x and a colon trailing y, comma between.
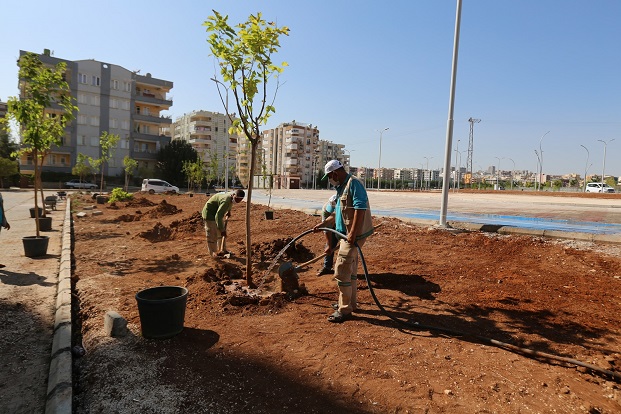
x: 226, y: 134
x: 604, y: 164
x: 586, y: 167
x: 379, y: 162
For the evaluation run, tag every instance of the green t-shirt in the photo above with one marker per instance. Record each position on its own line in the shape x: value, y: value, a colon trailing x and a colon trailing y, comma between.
x: 216, y: 208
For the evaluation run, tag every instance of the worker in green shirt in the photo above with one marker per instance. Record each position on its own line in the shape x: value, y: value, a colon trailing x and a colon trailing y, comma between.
x: 216, y: 212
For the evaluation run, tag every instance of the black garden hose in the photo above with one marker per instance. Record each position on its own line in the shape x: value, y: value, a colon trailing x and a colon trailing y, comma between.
x: 455, y: 333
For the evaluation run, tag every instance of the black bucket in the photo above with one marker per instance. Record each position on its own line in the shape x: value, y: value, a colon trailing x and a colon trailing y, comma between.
x: 269, y: 215
x: 162, y: 311
x: 35, y: 246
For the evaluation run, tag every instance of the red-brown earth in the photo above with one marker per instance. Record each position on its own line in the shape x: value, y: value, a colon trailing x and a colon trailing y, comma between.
x: 455, y: 293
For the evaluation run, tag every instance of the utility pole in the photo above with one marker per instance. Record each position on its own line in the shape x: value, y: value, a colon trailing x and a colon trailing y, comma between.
x: 470, y: 147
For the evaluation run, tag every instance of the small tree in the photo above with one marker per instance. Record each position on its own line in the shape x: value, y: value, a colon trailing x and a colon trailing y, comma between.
x: 195, y: 172
x: 211, y: 174
x: 130, y: 166
x: 244, y: 54
x: 41, y: 127
x: 7, y: 168
x: 82, y: 167
x: 107, y: 142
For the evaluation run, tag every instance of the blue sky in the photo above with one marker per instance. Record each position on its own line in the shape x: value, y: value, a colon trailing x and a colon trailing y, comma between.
x: 525, y: 67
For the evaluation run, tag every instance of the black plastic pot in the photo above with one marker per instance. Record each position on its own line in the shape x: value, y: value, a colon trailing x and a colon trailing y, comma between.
x: 32, y: 212
x: 45, y: 223
x: 35, y: 246
x: 269, y: 215
x: 162, y: 311
x: 102, y: 199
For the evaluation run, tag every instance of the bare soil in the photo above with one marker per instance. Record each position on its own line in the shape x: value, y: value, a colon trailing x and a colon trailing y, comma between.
x: 455, y: 293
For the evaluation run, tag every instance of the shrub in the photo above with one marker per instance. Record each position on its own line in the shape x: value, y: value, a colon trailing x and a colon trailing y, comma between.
x: 118, y: 194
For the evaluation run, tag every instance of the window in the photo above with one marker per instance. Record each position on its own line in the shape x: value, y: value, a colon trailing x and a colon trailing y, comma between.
x: 82, y: 98
x: 82, y: 78
x: 81, y: 139
x: 114, y: 103
x: 94, y: 141
x: 127, y: 86
x: 146, y: 129
x: 125, y: 125
x: 95, y: 100
x: 82, y: 119
x: 124, y: 143
x: 95, y: 80
x: 125, y: 105
x: 115, y: 84
x: 94, y: 121
x: 114, y: 123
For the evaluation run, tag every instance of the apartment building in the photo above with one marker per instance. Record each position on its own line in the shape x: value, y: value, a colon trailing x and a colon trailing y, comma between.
x: 208, y: 133
x: 289, y: 152
x: 113, y: 99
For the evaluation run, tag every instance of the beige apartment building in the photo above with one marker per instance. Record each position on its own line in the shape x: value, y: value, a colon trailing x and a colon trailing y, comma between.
x: 208, y: 133
x: 289, y: 153
x: 113, y: 99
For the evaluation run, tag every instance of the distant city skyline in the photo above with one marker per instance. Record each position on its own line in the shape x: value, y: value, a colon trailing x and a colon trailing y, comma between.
x: 524, y: 68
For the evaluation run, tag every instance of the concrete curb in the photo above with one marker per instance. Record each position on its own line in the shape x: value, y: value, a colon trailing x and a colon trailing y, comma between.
x: 60, y: 383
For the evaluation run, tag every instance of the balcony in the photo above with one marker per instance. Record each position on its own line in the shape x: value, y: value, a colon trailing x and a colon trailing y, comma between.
x: 154, y: 119
x: 153, y: 100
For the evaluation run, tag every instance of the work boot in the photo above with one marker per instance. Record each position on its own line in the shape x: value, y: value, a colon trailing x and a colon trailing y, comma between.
x: 325, y: 271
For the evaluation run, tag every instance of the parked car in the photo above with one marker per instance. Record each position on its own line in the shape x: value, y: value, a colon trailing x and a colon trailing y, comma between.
x: 77, y: 184
x: 599, y: 188
x: 153, y: 185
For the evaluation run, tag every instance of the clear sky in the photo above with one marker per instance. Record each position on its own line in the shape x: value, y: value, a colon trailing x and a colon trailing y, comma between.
x: 525, y: 68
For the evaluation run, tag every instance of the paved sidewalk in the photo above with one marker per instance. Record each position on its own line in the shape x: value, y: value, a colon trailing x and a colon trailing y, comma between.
x: 29, y: 313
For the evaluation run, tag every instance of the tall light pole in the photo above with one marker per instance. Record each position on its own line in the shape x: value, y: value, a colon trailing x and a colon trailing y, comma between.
x: 512, y: 171
x: 427, y: 171
x: 538, y: 178
x: 586, y: 167
x: 497, y: 173
x: 541, y: 159
x: 457, y: 178
x: 379, y: 162
x: 456, y: 152
x: 604, y: 165
x: 226, y: 159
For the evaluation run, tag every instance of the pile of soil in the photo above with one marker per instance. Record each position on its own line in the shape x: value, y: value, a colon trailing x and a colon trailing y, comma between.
x: 261, y: 351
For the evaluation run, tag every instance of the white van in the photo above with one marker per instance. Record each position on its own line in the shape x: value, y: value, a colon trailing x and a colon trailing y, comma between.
x: 153, y: 185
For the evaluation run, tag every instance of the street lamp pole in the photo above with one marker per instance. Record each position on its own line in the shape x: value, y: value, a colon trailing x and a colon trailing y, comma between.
x: 226, y: 145
x: 379, y: 162
x: 541, y: 160
x: 586, y: 167
x: 497, y: 173
x: 427, y: 171
x: 512, y: 171
x: 604, y: 165
x: 538, y: 178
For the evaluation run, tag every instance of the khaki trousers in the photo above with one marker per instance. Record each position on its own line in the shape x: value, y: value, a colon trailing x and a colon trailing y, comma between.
x: 214, y: 237
x: 345, y: 274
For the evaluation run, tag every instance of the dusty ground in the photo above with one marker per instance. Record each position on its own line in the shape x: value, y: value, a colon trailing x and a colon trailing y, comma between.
x: 282, y: 356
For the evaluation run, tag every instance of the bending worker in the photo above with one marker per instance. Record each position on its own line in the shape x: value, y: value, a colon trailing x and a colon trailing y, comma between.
x: 215, y: 213
x: 353, y: 218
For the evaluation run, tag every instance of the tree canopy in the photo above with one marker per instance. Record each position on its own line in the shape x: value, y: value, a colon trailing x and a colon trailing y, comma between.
x: 170, y: 161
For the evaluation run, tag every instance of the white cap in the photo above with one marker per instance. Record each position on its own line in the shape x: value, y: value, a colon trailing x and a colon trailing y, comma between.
x: 331, y: 166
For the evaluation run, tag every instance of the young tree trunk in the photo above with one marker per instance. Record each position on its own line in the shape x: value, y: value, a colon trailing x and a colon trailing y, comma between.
x: 253, y: 152
x: 36, y: 204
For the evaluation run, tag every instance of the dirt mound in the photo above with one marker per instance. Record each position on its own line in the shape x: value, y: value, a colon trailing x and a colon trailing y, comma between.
x: 162, y: 209
x: 187, y: 226
x: 128, y: 218
x: 158, y: 233
x: 267, y: 251
x: 139, y: 202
